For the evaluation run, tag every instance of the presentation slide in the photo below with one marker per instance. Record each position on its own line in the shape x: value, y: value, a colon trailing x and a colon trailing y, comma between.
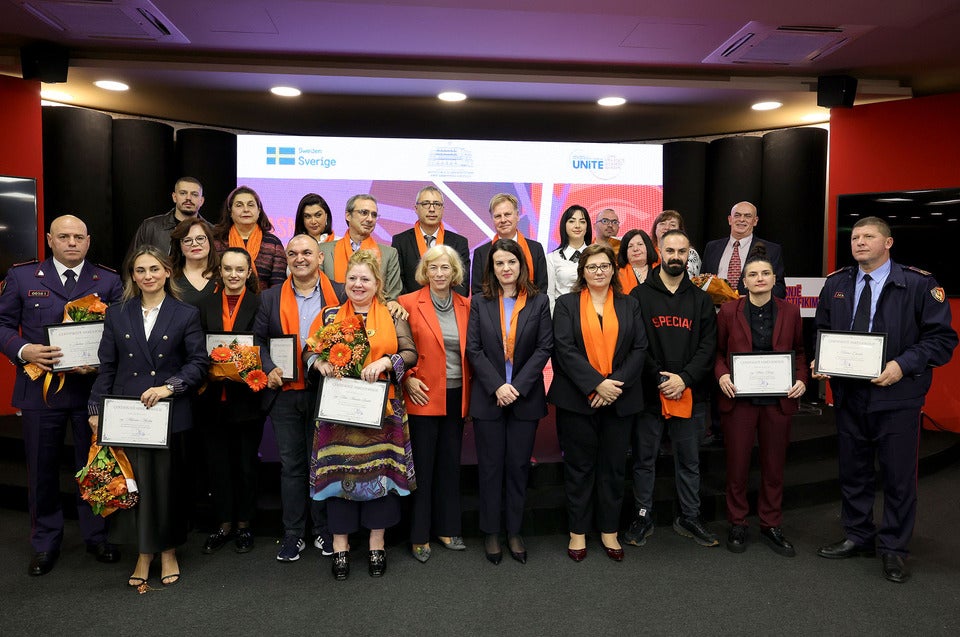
x: 546, y: 177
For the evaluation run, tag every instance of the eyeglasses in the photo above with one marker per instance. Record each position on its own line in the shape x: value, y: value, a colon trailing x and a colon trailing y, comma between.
x: 593, y: 268
x: 199, y: 240
x: 609, y: 222
x: 366, y: 213
x: 430, y: 204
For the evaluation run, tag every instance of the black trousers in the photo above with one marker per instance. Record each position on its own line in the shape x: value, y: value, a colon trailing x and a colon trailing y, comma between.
x: 436, y: 442
x: 594, y: 466
x: 504, y: 446
x: 347, y: 516
x: 232, y: 459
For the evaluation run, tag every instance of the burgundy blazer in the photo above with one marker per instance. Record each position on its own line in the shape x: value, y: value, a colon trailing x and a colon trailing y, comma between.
x: 733, y: 335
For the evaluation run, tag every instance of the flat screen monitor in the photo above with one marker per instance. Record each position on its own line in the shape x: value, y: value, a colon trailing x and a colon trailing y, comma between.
x: 18, y: 221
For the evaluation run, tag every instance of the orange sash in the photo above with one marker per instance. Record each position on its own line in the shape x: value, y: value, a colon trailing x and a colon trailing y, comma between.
x: 343, y: 251
x: 229, y: 318
x: 252, y: 246
x: 599, y: 340
x: 628, y: 278
x: 682, y: 408
x: 522, y: 242
x: 290, y: 324
x: 510, y: 335
x: 421, y: 242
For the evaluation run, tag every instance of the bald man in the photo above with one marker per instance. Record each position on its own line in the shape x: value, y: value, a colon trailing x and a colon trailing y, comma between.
x: 33, y: 296
x: 720, y: 253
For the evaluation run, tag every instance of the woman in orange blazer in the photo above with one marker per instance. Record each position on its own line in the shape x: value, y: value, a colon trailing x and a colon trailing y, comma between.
x: 437, y: 396
x: 758, y: 322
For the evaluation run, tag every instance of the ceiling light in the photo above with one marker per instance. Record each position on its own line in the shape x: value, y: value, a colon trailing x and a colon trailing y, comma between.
x: 56, y: 96
x: 766, y: 106
x: 285, y: 91
x: 451, y: 96
x: 110, y: 85
x: 816, y: 117
x: 611, y: 101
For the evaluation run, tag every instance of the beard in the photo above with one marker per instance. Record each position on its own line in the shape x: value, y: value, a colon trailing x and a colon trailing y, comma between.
x: 675, y: 267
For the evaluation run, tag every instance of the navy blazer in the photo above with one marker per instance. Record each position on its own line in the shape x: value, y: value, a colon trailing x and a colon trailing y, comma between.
x: 406, y: 246
x: 574, y: 378
x: 531, y: 352
x: 713, y: 252
x: 130, y: 364
x: 33, y: 296
x: 734, y: 335
x: 539, y: 274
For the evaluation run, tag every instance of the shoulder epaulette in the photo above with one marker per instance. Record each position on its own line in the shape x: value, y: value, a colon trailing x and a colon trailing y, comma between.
x: 917, y: 270
x: 104, y: 267
x: 845, y: 268
x: 30, y: 262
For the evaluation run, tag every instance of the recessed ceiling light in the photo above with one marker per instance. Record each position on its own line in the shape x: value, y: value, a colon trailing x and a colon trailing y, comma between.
x: 285, y: 91
x: 611, y: 101
x: 110, y: 85
x: 766, y: 106
x: 816, y: 117
x: 56, y: 96
x: 451, y: 96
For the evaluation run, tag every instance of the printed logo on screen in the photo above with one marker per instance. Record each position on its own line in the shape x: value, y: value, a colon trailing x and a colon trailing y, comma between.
x: 600, y: 166
x: 298, y: 156
x: 450, y: 162
x: 281, y: 155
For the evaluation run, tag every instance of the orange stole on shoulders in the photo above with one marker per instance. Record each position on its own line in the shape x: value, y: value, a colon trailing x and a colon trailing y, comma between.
x: 599, y: 340
x: 252, y: 246
x: 522, y: 242
x: 509, y: 335
x: 343, y: 251
x: 290, y: 324
x: 421, y: 243
x: 628, y: 278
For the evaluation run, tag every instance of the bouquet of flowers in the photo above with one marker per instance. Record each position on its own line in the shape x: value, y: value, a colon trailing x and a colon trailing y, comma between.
x: 344, y: 345
x: 107, y: 483
x: 239, y: 363
x: 719, y: 290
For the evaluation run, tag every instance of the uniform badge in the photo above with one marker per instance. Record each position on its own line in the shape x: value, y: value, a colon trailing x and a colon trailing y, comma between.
x: 938, y: 294
x: 38, y: 293
x: 39, y: 273
x: 838, y: 295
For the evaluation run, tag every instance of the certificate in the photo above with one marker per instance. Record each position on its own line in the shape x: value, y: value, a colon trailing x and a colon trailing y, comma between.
x: 224, y: 339
x: 283, y: 353
x: 126, y: 422
x: 351, y: 401
x: 850, y: 354
x: 762, y: 373
x: 78, y: 343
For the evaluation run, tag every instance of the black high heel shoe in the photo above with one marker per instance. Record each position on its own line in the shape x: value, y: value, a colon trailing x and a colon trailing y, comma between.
x: 517, y: 549
x: 491, y: 546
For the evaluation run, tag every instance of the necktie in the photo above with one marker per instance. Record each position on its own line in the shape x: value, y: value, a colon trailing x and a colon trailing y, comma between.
x: 71, y: 281
x: 734, y: 269
x: 861, y: 320
x: 354, y: 245
x: 429, y: 239
x: 575, y: 257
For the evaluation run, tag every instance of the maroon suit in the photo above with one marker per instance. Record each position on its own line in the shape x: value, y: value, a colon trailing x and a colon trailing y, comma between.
x: 743, y: 421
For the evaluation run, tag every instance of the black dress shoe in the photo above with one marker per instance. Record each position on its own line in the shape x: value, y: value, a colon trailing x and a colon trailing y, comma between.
x: 43, y: 562
x: 773, y: 537
x: 340, y: 565
x: 737, y: 539
x: 518, y: 550
x: 244, y: 540
x: 378, y: 563
x: 104, y: 552
x: 845, y: 548
x: 895, y: 568
x: 216, y: 541
x: 491, y: 547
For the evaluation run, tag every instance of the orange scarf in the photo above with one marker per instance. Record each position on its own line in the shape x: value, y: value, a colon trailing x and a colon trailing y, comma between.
x: 510, y: 335
x: 522, y: 242
x: 628, y: 278
x: 229, y: 318
x: 343, y: 251
x: 330, y: 238
x: 681, y: 408
x: 252, y: 246
x: 290, y: 320
x: 599, y: 340
x: 421, y: 242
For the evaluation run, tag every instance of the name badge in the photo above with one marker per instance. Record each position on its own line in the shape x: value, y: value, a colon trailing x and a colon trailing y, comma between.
x: 38, y: 293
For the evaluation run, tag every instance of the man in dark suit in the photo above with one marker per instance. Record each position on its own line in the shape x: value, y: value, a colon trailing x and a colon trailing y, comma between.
x: 505, y: 211
x: 34, y: 295
x: 187, y: 199
x: 427, y: 232
x: 720, y: 253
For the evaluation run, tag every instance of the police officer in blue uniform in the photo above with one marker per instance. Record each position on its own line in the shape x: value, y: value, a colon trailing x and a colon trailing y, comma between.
x: 33, y: 296
x: 882, y: 415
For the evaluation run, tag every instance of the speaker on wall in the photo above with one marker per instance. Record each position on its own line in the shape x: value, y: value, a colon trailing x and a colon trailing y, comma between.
x: 836, y: 90
x: 44, y: 61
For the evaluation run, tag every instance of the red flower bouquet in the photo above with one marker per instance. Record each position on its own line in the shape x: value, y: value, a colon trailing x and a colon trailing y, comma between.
x: 107, y: 483
x: 239, y: 363
x: 344, y: 345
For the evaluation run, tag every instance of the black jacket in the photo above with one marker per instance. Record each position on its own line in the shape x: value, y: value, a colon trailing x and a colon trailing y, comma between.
x: 405, y: 244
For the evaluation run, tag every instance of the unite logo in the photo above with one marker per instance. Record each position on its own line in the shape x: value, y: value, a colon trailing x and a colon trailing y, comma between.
x: 604, y: 167
x: 281, y: 155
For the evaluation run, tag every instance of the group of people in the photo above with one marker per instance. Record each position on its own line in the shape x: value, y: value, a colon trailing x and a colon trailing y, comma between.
x: 637, y: 349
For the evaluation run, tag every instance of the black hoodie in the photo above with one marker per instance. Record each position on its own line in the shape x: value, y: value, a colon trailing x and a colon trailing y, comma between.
x: 682, y: 332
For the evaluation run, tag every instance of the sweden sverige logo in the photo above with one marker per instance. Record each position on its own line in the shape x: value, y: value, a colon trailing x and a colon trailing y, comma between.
x: 281, y: 155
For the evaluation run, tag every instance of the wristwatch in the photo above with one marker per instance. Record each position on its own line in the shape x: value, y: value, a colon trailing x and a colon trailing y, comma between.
x: 170, y: 388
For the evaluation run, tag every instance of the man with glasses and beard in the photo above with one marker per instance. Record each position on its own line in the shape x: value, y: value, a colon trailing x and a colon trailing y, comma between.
x: 682, y: 332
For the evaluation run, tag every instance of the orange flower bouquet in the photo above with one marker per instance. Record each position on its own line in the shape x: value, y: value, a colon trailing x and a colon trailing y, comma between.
x: 344, y: 345
x: 239, y: 363
x: 719, y: 290
x: 107, y: 482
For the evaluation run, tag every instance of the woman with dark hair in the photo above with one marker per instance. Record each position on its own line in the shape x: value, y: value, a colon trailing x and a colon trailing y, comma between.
x: 314, y: 218
x: 153, y: 349
x: 509, y: 338
x: 244, y: 224
x: 599, y: 353
x: 575, y: 234
x: 195, y: 262
x: 231, y: 413
x: 635, y: 259
x: 672, y: 220
x: 758, y: 322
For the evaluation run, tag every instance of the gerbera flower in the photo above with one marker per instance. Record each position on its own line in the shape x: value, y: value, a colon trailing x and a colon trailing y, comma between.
x: 221, y: 354
x: 339, y: 355
x: 256, y: 379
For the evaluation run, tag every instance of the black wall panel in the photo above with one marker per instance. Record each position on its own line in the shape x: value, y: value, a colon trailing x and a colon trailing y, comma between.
x: 734, y: 167
x: 211, y: 157
x: 684, y: 186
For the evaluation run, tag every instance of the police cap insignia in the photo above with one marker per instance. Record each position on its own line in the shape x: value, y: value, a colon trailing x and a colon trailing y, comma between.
x: 938, y: 294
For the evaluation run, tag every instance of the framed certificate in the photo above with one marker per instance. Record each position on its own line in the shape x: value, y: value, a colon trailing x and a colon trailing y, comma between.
x: 78, y: 343
x: 216, y: 339
x: 351, y: 401
x: 762, y: 373
x: 125, y: 422
x: 850, y: 354
x: 283, y: 352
